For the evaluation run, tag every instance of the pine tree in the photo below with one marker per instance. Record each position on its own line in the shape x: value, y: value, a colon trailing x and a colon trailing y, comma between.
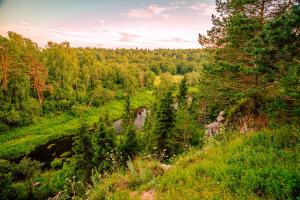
x: 82, y: 149
x: 130, y: 147
x: 276, y: 55
x: 127, y: 115
x: 234, y: 79
x: 182, y: 95
x: 104, y: 147
x: 164, y: 127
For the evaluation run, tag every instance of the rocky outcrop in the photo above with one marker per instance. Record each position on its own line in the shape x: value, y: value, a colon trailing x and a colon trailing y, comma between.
x: 213, y: 128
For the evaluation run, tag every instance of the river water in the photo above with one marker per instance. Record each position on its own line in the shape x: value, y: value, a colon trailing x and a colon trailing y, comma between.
x: 62, y: 148
x: 139, y: 121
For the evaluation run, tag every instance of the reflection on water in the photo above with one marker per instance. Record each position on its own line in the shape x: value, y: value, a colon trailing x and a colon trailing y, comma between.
x: 62, y: 147
x: 59, y: 148
x: 139, y: 120
x: 118, y: 125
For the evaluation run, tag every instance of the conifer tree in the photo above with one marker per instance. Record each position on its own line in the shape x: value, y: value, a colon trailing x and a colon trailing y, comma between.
x: 82, y: 148
x: 182, y: 94
x: 127, y: 115
x: 164, y: 127
x: 104, y: 147
x: 234, y: 80
x: 130, y: 147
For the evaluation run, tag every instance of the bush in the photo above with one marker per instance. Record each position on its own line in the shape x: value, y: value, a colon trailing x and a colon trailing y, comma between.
x: 79, y: 110
x: 63, y: 105
x: 48, y: 107
x: 31, y: 107
x: 20, y: 190
x: 13, y: 117
x: 3, y: 127
x: 56, y: 163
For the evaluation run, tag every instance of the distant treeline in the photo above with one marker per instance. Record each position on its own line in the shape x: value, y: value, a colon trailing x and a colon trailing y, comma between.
x: 40, y: 80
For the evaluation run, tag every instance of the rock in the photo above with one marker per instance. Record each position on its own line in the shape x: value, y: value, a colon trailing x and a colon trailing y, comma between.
x: 148, y: 195
x: 35, y: 184
x: 58, y: 196
x: 213, y: 127
x: 244, y: 128
x: 221, y: 117
x: 165, y: 167
x: 133, y: 194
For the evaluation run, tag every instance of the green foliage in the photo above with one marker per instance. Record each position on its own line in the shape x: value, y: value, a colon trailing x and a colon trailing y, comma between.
x: 3, y: 127
x: 130, y: 147
x: 83, y: 152
x: 56, y: 163
x: 276, y: 53
x: 73, y: 189
x: 17, y: 106
x: 187, y: 131
x: 104, y: 147
x: 140, y: 173
x: 7, y: 191
x: 261, y: 165
x: 60, y: 76
x: 30, y: 169
x: 127, y: 115
x: 256, y: 59
x: 253, y: 73
x: 182, y: 93
x: 163, y: 133
x: 23, y: 140
x: 79, y: 110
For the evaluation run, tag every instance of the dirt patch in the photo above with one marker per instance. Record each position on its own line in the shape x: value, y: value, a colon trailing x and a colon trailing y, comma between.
x: 148, y: 195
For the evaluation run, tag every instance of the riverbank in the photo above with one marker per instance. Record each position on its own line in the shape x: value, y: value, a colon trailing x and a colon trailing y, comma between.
x: 21, y: 141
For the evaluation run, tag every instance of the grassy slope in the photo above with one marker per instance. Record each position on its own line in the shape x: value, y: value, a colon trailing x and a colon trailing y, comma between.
x: 261, y: 165
x: 21, y: 141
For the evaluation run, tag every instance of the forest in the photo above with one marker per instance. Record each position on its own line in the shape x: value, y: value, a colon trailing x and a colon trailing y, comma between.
x: 217, y: 122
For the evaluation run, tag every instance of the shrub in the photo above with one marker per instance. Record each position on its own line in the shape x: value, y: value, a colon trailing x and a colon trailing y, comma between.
x: 79, y: 110
x: 3, y: 127
x: 56, y: 163
x: 6, y: 179
x: 48, y: 107
x: 63, y: 105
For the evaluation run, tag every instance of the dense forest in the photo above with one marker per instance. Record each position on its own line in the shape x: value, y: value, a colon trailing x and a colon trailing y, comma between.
x: 82, y: 106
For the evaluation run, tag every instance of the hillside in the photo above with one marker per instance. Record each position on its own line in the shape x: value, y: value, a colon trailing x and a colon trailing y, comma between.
x: 258, y: 165
x: 216, y: 119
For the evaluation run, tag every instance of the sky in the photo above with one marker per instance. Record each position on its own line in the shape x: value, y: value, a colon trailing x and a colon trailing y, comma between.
x: 109, y: 23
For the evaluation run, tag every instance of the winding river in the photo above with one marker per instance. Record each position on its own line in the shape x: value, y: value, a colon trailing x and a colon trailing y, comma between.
x: 62, y: 148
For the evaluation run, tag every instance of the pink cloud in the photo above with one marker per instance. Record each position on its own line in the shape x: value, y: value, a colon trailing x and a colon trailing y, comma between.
x: 128, y: 37
x: 150, y: 11
x: 203, y: 8
x: 24, y: 23
x: 176, y: 39
x: 102, y: 21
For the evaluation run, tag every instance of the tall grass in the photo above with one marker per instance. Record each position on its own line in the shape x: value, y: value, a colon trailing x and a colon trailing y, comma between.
x: 260, y: 165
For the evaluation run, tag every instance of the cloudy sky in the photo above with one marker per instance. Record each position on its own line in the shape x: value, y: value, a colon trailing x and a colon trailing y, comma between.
x: 109, y: 23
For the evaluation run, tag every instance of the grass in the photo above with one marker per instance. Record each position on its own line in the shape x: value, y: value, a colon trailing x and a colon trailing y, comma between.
x: 260, y: 165
x: 175, y: 79
x: 21, y: 141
